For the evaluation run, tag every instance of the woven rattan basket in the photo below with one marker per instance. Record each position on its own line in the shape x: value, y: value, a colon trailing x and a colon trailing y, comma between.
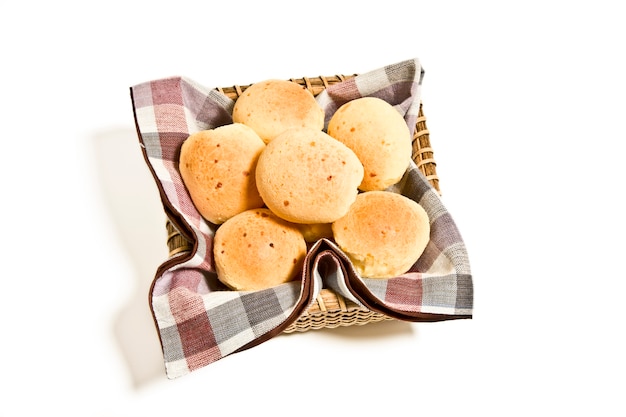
x: 330, y: 309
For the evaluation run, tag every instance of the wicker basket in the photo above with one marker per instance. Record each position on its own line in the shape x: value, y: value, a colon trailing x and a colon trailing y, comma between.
x: 330, y: 310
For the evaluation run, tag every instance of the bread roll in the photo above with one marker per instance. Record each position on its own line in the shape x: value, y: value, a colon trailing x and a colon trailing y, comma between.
x: 379, y: 136
x: 383, y: 234
x: 218, y: 168
x: 255, y: 250
x: 270, y: 107
x: 314, y: 232
x: 305, y: 176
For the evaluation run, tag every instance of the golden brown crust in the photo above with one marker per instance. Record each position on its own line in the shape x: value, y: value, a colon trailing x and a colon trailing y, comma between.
x: 383, y: 234
x: 273, y: 106
x: 218, y: 168
x: 255, y: 250
x: 305, y: 176
x: 379, y: 136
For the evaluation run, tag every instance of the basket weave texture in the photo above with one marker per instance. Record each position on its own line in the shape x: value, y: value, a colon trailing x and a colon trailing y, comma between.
x: 330, y: 309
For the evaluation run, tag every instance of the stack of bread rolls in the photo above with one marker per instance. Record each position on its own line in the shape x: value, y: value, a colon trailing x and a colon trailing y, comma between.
x: 274, y: 180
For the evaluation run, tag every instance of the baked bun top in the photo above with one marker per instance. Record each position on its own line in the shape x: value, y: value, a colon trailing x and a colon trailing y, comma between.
x: 255, y: 250
x: 273, y: 106
x: 383, y: 234
x: 379, y: 136
x: 305, y: 176
x: 218, y: 168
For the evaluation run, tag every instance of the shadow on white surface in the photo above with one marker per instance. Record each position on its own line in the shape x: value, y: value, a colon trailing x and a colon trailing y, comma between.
x: 131, y: 198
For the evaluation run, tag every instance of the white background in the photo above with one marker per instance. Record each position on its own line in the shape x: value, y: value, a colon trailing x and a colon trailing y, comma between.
x: 526, y: 106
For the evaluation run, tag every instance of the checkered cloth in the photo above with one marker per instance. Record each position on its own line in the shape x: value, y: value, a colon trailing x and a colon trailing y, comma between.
x: 199, y: 321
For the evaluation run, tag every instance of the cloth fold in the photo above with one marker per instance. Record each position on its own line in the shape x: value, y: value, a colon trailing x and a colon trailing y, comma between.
x: 200, y: 321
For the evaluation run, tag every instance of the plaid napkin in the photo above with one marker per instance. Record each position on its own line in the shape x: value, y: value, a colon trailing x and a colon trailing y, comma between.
x: 199, y: 320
